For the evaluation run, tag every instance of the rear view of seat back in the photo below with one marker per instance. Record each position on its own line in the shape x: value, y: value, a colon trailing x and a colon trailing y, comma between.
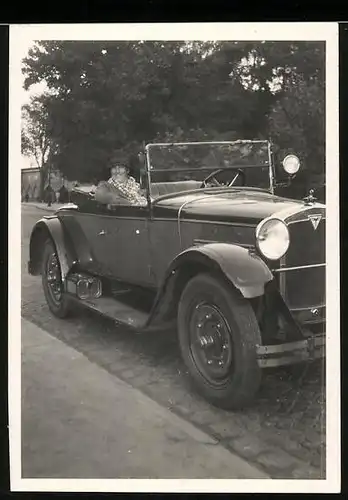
x: 163, y: 188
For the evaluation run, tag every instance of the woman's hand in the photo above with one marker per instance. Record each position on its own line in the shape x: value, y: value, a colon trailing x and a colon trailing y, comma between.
x: 103, y: 194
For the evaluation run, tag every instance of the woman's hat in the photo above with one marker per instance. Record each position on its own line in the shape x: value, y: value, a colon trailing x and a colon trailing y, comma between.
x: 119, y: 164
x: 118, y: 158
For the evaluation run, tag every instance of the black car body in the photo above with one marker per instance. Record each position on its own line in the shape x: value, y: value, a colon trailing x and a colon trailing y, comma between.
x: 208, y: 260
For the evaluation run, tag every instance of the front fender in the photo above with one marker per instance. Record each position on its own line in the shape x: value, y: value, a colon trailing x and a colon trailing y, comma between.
x: 50, y: 227
x: 245, y: 270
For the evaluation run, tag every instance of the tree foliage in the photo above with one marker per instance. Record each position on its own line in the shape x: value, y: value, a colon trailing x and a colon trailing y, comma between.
x: 36, y: 134
x: 36, y: 137
x: 106, y: 98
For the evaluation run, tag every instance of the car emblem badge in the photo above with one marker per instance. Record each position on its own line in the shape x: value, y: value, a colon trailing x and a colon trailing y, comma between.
x: 315, y: 219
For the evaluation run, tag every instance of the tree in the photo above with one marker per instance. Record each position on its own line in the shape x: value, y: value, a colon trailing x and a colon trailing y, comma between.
x: 295, y: 75
x: 35, y: 135
x: 297, y: 124
x: 109, y: 97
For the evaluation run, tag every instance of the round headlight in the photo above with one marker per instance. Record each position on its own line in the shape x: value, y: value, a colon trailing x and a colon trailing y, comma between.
x: 291, y: 164
x: 272, y: 238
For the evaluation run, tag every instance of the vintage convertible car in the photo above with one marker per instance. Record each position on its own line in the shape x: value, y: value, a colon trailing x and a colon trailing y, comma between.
x: 239, y: 271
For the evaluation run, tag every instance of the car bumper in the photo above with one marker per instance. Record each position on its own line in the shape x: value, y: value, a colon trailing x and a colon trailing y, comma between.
x: 309, y: 349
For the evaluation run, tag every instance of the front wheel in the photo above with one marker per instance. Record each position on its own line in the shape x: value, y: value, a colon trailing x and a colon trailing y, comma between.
x: 52, y: 282
x: 218, y: 334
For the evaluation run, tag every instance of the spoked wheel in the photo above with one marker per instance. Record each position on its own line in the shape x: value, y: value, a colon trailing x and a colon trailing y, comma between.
x: 218, y: 334
x: 52, y: 282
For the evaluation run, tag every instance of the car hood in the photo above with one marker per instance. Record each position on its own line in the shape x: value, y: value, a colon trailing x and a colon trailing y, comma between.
x: 242, y: 205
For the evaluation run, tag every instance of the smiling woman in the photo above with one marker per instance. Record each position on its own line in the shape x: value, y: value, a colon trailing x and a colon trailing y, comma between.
x: 120, y: 189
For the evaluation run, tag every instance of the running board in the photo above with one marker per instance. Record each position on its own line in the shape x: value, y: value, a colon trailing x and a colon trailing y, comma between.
x: 116, y: 310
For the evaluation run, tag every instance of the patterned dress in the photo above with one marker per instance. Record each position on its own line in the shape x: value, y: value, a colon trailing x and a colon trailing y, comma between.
x: 129, y: 190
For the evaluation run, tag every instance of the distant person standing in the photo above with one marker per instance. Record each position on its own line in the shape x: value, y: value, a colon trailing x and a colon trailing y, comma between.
x: 49, y: 195
x: 63, y: 194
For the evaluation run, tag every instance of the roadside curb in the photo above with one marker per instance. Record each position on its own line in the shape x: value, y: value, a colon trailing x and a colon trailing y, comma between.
x: 42, y: 206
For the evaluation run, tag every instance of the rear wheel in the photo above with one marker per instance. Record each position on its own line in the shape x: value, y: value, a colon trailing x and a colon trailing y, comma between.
x: 52, y: 282
x: 218, y: 334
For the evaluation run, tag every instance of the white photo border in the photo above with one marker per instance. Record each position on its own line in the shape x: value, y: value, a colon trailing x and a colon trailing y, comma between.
x: 22, y: 36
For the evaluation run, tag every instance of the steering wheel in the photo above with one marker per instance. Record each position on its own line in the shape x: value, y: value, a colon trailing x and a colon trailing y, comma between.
x: 212, y: 177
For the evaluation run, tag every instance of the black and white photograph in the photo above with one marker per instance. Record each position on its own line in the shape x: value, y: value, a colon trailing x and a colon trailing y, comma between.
x: 174, y: 258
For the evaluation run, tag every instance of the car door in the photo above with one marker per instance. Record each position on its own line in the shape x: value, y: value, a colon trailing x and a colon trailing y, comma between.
x: 119, y: 241
x: 127, y: 240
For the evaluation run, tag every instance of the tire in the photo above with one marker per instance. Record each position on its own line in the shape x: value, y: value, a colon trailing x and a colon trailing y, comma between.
x: 230, y: 379
x: 60, y: 307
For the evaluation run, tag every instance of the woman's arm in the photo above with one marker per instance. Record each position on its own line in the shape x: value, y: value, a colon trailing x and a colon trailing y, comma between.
x: 103, y: 193
x: 108, y: 195
x: 141, y: 191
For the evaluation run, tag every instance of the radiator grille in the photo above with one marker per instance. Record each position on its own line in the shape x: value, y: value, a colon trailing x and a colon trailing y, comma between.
x: 305, y: 287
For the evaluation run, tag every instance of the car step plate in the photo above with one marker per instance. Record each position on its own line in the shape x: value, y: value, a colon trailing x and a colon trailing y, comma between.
x: 117, y: 310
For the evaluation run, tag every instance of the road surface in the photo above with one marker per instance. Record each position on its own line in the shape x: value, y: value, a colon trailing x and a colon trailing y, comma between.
x: 80, y: 421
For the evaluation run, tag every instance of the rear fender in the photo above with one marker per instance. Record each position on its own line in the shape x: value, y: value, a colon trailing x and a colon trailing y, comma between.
x: 50, y: 227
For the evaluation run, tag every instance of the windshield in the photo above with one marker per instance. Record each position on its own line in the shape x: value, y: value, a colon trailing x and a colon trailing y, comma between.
x: 196, y: 160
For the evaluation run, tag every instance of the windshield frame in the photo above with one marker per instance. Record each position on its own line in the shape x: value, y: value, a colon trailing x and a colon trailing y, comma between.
x: 148, y: 147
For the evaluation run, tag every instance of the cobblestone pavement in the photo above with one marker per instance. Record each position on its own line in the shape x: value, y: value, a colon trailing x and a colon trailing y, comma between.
x: 284, y: 431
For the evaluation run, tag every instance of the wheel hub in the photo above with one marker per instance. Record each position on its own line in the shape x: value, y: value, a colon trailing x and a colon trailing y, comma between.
x: 206, y: 341
x: 53, y: 278
x: 211, y: 343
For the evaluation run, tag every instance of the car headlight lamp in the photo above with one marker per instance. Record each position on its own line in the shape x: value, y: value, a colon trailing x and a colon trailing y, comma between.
x: 291, y: 164
x: 272, y: 238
